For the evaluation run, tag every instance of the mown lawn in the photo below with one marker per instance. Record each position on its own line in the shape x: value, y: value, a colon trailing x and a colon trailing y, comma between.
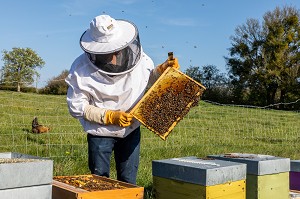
x: 207, y: 129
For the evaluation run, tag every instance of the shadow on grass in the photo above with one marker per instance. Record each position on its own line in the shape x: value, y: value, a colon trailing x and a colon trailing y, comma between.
x: 270, y: 140
x: 149, y: 192
x: 32, y: 137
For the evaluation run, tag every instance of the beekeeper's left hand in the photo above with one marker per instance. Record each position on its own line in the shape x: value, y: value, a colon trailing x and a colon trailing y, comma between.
x: 168, y: 63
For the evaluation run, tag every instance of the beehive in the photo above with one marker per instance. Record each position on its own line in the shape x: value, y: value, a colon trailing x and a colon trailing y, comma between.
x: 295, y: 175
x: 196, y: 178
x: 167, y: 102
x: 267, y: 176
x: 73, y: 187
x: 25, y: 176
x: 295, y: 194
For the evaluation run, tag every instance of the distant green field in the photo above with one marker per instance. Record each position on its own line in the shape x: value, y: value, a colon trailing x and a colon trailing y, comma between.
x: 207, y: 129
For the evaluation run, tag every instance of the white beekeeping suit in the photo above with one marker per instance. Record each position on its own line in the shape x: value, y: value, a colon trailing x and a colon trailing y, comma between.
x: 105, y: 83
x: 112, y: 74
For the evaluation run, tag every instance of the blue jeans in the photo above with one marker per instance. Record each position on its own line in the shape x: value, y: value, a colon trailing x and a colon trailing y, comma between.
x: 126, y: 153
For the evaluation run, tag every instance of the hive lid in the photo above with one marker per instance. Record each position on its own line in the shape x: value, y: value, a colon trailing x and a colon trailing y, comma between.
x: 206, y: 172
x: 22, y: 170
x: 258, y: 164
x: 167, y: 101
x: 295, y: 165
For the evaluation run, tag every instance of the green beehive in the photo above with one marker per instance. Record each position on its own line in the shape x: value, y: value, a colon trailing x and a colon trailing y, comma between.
x: 267, y: 176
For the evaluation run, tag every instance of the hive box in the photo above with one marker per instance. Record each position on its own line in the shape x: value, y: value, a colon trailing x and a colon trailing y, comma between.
x: 194, y: 178
x: 295, y: 195
x: 267, y: 176
x: 63, y: 190
x: 25, y: 176
x: 32, y: 192
x: 295, y: 175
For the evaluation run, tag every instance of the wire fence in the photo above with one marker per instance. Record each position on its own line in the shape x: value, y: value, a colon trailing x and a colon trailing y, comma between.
x: 37, y: 84
x: 209, y: 127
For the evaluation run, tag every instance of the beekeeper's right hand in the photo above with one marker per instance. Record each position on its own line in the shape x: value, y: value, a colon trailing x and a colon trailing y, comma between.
x: 119, y: 118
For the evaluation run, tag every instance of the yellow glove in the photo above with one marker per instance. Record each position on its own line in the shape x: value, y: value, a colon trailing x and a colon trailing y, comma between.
x: 119, y: 118
x: 168, y: 63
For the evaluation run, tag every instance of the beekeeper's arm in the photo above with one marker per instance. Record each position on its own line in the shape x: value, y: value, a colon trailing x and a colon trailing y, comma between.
x: 78, y: 103
x: 107, y: 117
x: 161, y: 68
x: 120, y: 118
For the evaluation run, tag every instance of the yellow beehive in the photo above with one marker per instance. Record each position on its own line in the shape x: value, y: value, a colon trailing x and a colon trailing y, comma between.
x: 196, y: 178
x: 167, y: 101
x: 175, y: 189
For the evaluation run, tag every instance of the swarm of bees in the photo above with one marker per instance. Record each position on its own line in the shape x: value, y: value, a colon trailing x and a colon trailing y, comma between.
x: 38, y: 128
x: 171, y: 106
x: 167, y: 102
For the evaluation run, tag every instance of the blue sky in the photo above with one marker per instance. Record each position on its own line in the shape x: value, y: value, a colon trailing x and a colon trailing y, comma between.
x: 197, y: 31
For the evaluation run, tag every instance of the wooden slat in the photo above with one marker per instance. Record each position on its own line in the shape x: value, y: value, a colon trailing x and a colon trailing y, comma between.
x: 130, y: 193
x: 64, y: 191
x: 275, y: 186
x: 232, y: 190
x: 60, y: 191
x: 295, y: 180
x: 167, y: 188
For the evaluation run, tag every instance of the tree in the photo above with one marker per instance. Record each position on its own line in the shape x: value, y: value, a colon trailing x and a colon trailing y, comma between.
x: 282, y: 50
x: 20, y: 66
x: 57, y: 85
x: 246, y: 61
x: 216, y: 83
x: 264, y: 58
x: 211, y: 77
x: 194, y: 72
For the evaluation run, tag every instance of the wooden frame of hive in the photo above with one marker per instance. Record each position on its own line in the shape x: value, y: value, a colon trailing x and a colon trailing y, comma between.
x: 62, y: 190
x: 174, y: 79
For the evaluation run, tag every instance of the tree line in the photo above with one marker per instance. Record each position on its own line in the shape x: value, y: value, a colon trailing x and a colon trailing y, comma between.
x: 263, y: 66
x: 264, y: 62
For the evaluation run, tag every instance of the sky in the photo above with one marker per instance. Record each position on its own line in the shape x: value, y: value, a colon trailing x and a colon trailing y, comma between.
x: 196, y: 31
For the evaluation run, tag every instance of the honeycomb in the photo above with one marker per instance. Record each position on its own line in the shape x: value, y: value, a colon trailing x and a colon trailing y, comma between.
x: 167, y: 102
x: 89, y: 182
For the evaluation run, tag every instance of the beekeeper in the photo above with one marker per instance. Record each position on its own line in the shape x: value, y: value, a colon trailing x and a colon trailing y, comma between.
x: 105, y: 82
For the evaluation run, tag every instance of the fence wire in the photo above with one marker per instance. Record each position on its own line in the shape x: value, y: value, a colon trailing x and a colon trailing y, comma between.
x: 208, y: 128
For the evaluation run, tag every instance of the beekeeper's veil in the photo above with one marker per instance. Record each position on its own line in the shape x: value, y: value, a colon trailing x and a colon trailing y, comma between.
x: 112, y: 45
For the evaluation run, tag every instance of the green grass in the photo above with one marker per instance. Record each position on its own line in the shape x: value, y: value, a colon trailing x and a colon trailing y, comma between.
x: 207, y: 129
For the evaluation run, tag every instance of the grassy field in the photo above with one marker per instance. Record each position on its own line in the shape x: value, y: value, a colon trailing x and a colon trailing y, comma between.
x: 207, y: 129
